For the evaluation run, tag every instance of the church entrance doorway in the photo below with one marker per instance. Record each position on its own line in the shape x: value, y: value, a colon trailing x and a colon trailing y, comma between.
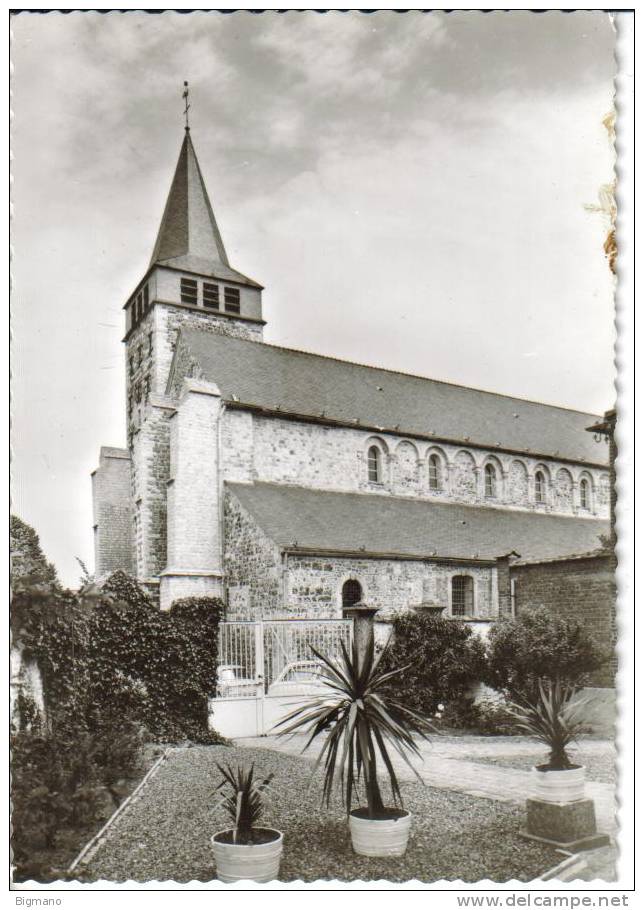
x: 266, y: 669
x: 351, y: 593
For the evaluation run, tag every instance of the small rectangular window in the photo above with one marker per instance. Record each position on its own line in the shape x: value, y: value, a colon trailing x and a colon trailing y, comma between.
x: 462, y: 595
x: 231, y: 300
x: 150, y: 342
x: 146, y: 298
x: 211, y: 296
x: 189, y: 291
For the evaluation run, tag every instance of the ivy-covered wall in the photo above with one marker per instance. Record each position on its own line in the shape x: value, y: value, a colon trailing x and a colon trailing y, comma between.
x: 112, y: 647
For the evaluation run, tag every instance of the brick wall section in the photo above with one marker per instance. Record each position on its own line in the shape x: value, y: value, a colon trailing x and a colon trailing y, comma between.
x: 253, y: 567
x: 582, y: 589
x: 112, y: 512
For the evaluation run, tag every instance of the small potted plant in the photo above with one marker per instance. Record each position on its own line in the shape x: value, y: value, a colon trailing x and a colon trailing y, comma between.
x: 245, y: 851
x: 360, y: 724
x: 553, y: 718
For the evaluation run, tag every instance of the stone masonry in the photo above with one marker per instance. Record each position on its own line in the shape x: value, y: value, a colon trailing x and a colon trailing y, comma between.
x: 264, y: 581
x: 277, y: 450
x: 112, y: 511
x: 163, y: 510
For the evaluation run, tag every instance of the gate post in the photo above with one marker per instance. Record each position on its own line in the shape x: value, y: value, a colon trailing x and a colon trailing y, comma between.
x: 362, y: 616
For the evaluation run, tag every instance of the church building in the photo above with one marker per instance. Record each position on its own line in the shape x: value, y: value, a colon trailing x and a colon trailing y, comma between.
x: 294, y: 485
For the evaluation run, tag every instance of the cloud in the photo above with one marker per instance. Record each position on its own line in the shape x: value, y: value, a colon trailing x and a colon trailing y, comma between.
x: 339, y: 55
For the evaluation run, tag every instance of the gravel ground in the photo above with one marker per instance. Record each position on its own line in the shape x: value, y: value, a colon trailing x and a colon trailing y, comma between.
x: 165, y: 835
x: 599, y: 767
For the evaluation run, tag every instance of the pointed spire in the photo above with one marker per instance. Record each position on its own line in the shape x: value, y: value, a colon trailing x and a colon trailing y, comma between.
x: 188, y: 226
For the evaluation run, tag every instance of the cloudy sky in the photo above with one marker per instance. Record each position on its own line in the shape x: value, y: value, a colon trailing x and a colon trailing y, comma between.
x: 410, y: 188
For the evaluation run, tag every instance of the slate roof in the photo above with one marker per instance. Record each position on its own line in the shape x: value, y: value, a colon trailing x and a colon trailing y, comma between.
x: 321, y: 521
x: 309, y: 385
x: 189, y: 238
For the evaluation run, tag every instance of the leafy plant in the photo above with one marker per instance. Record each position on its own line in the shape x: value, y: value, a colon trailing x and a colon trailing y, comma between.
x: 553, y: 718
x: 242, y: 799
x: 539, y: 645
x: 361, y: 723
x: 444, y: 658
x: 64, y: 781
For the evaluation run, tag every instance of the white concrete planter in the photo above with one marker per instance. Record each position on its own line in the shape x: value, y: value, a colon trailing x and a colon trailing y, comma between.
x: 559, y: 786
x: 250, y: 862
x: 380, y: 837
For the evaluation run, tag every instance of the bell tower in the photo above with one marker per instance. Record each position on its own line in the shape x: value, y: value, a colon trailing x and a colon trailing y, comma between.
x: 188, y: 282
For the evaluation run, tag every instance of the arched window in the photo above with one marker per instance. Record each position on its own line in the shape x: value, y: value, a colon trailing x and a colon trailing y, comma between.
x: 584, y: 494
x: 374, y: 464
x: 462, y: 595
x: 351, y: 593
x: 435, y: 473
x: 540, y: 486
x: 490, y: 481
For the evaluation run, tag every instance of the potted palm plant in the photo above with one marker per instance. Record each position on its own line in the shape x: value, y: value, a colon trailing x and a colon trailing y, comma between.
x: 553, y: 718
x: 361, y: 725
x: 245, y: 851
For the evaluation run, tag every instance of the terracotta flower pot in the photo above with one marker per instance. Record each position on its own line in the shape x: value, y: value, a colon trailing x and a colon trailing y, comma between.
x: 379, y: 836
x: 259, y: 862
x: 559, y: 786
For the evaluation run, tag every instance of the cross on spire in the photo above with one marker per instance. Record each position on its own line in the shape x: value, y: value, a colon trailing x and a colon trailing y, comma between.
x: 186, y: 96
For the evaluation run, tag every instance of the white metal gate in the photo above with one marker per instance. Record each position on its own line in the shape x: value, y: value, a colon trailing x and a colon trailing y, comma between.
x: 266, y: 668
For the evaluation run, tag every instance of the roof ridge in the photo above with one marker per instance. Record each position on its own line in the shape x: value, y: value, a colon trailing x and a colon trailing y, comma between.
x: 369, y: 366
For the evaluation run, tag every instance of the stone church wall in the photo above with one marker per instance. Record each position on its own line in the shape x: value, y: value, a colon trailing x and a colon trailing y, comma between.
x: 276, y: 450
x: 260, y: 583
x: 314, y: 584
x: 253, y: 567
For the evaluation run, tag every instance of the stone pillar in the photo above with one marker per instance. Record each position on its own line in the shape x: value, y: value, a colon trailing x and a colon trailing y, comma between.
x: 194, y: 565
x: 362, y: 616
x: 503, y: 586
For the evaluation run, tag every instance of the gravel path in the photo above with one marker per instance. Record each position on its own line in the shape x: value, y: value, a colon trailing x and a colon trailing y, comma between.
x: 164, y: 836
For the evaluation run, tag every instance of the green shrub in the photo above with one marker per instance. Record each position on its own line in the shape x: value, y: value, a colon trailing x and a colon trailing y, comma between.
x: 113, y: 667
x: 28, y: 561
x: 443, y: 659
x: 116, y: 651
x: 491, y: 717
x: 192, y: 639
x: 65, y: 780
x: 539, y: 645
